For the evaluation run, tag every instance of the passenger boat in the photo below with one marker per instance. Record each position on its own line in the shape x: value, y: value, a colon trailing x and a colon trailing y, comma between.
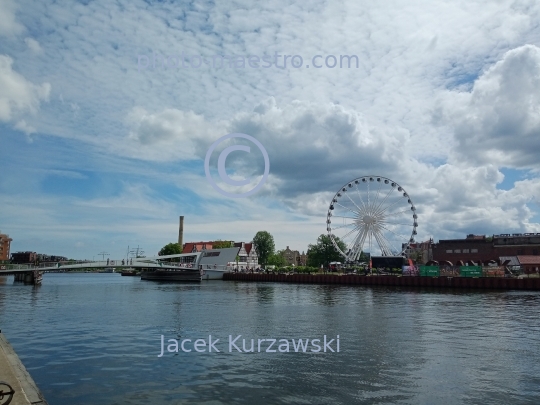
x: 209, y: 264
x: 129, y: 272
x: 179, y: 274
x: 108, y: 270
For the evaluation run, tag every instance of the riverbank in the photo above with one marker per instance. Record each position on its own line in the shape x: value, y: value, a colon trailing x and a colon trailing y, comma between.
x: 13, y: 372
x: 498, y: 283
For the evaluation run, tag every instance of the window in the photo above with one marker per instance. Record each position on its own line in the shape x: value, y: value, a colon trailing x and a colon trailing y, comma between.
x: 535, y: 252
x: 465, y: 250
x: 207, y: 254
x: 449, y: 251
x: 520, y: 251
x: 474, y: 250
x: 457, y: 250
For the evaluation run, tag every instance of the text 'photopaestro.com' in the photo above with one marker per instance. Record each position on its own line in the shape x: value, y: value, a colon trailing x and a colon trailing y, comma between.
x: 182, y: 60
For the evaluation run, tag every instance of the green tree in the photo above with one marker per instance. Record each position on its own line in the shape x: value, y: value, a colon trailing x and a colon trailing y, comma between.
x: 170, y: 249
x: 324, y: 251
x: 364, y: 257
x: 277, y: 259
x: 222, y: 244
x: 264, y: 246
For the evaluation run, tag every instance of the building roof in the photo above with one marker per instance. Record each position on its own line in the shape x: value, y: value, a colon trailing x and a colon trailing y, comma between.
x: 529, y: 259
x: 191, y: 247
x: 247, y: 246
x: 466, y: 240
x: 513, y: 260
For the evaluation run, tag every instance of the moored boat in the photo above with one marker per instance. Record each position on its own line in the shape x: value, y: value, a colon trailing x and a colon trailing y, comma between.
x: 108, y: 270
x: 129, y: 272
x: 179, y: 274
x: 209, y: 264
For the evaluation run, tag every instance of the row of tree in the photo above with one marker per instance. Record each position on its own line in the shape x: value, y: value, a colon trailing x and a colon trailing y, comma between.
x: 321, y: 253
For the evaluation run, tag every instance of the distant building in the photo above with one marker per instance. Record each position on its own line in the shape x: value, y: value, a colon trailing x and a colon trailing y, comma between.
x: 33, y: 257
x: 481, y: 249
x: 294, y: 257
x: 421, y: 252
x: 194, y: 247
x: 23, y: 257
x: 41, y: 258
x: 247, y: 254
x: 529, y: 264
x: 5, y: 244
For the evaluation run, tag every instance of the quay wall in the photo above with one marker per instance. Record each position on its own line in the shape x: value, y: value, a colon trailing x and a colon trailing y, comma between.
x: 497, y: 283
x: 13, y: 372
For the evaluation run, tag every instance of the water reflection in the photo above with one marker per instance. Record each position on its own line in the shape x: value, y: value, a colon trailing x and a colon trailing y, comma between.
x: 95, y: 339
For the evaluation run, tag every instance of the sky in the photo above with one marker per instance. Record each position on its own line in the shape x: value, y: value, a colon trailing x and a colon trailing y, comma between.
x: 106, y: 117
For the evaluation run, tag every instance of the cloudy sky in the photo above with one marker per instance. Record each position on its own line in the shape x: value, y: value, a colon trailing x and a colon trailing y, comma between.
x: 105, y: 118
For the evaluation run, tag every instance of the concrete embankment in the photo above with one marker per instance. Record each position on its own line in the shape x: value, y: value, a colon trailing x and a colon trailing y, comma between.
x: 14, y: 373
x: 498, y: 283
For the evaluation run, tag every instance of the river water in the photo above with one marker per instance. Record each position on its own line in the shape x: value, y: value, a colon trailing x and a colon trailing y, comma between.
x: 96, y: 338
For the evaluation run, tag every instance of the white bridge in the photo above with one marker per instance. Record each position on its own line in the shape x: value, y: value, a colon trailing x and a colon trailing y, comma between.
x: 54, y: 267
x: 188, y: 261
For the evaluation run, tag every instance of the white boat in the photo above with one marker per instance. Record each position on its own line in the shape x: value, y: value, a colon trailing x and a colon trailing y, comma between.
x: 214, y: 272
x: 214, y: 263
x: 211, y: 264
x: 108, y: 270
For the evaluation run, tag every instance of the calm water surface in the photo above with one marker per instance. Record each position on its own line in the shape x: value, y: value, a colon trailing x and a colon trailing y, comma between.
x: 95, y: 339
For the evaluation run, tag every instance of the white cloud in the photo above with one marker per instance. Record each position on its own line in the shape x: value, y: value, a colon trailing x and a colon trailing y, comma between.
x: 33, y: 45
x: 19, y: 96
x: 24, y: 127
x: 499, y: 119
x: 8, y: 24
x: 438, y: 87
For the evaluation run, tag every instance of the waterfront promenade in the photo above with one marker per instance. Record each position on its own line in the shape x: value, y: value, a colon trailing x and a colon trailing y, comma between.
x: 498, y: 283
x: 13, y: 372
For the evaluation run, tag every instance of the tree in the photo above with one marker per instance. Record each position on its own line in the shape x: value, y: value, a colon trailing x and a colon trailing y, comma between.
x: 170, y: 249
x: 264, y: 246
x: 324, y: 251
x: 364, y: 257
x: 222, y: 244
x: 277, y: 259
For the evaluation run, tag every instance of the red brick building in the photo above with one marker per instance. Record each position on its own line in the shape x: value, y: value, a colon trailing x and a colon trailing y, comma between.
x: 529, y: 264
x: 5, y: 244
x: 479, y: 248
x: 194, y: 247
x: 24, y: 257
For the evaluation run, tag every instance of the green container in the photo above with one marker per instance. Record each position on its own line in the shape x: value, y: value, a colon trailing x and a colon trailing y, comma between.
x: 429, y: 271
x: 470, y: 271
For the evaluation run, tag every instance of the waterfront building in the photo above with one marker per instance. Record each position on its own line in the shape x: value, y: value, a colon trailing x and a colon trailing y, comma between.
x: 421, y: 252
x: 247, y: 254
x: 194, y: 247
x: 33, y: 257
x: 481, y: 249
x: 42, y: 258
x: 23, y: 257
x: 5, y: 244
x: 294, y: 257
x: 529, y: 264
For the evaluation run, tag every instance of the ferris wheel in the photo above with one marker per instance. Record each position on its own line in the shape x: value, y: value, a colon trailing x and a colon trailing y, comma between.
x: 371, y: 214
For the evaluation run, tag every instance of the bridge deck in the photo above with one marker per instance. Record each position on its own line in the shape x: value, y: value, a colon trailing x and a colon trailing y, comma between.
x: 138, y: 265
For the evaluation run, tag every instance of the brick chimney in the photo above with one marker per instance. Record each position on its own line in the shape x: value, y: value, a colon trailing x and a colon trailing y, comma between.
x: 181, y: 232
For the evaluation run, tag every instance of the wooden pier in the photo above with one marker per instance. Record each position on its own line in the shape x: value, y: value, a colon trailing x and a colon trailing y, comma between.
x: 14, y: 375
x: 495, y: 283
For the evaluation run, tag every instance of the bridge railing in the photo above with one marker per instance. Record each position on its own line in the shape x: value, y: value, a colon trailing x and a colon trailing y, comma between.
x: 17, y: 267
